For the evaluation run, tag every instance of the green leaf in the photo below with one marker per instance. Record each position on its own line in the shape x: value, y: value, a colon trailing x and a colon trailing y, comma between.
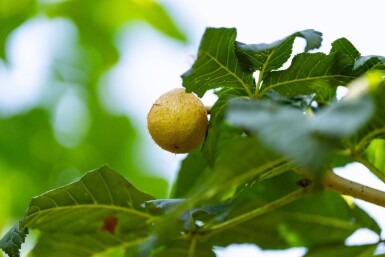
x: 268, y: 57
x: 342, y: 45
x: 101, y: 207
x: 306, y: 222
x: 217, y: 65
x: 192, y: 173
x: 376, y: 127
x: 311, y: 73
x: 218, y: 131
x: 307, y: 141
x: 12, y: 241
x: 86, y: 245
x: 342, y: 250
x: 365, y: 63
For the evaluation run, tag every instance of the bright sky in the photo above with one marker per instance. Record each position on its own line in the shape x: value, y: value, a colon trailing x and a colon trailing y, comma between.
x: 152, y: 64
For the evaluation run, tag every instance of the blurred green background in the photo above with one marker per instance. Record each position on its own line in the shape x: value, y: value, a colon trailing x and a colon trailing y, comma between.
x: 69, y: 130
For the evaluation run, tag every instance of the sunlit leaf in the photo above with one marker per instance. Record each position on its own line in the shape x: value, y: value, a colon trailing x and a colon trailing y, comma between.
x: 185, y: 248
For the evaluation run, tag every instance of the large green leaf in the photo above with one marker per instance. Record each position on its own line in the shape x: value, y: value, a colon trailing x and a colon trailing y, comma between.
x: 289, y: 132
x: 101, y: 207
x: 217, y: 65
x: 268, y: 57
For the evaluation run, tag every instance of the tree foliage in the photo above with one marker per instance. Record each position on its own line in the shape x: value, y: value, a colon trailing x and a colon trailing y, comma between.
x: 262, y: 176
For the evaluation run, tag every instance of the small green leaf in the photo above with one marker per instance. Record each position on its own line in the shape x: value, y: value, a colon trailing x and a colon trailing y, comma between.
x: 365, y: 63
x: 268, y: 57
x: 217, y: 65
x: 342, y: 45
x: 12, y: 241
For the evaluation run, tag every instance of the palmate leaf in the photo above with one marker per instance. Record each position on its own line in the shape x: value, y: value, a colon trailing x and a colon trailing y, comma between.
x: 288, y: 132
x: 217, y: 65
x: 102, y: 210
x: 268, y: 57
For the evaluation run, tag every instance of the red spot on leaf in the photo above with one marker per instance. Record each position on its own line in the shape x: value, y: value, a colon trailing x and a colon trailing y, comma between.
x: 109, y: 224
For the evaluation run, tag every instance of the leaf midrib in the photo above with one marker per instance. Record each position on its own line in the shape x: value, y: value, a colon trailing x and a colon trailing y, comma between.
x: 271, y: 86
x: 30, y: 218
x: 245, y: 87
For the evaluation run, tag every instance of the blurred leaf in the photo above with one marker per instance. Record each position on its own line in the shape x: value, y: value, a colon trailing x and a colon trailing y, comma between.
x: 342, y: 250
x: 375, y: 153
x: 217, y: 65
x: 12, y: 241
x: 289, y: 132
x: 192, y: 173
x: 12, y: 14
x: 99, y: 21
x: 268, y: 57
x: 185, y: 248
x: 376, y: 126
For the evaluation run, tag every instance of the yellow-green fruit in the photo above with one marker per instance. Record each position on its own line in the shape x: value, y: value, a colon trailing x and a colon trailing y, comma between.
x: 177, y: 121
